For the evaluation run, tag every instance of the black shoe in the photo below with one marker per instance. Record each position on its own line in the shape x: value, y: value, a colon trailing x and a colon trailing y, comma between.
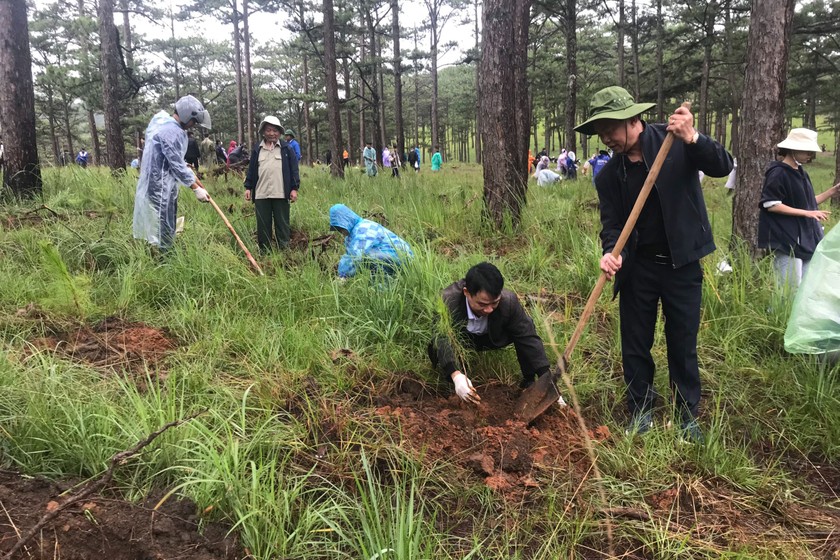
x: 526, y: 382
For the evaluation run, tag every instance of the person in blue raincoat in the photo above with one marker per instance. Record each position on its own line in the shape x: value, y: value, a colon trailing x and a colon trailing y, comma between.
x: 369, y: 156
x: 367, y: 243
x: 163, y: 168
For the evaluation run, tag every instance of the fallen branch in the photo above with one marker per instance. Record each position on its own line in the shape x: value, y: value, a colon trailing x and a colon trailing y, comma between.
x: 95, y: 485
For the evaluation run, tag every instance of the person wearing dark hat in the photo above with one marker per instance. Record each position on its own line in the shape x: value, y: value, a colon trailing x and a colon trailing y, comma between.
x: 597, y: 162
x: 293, y: 144
x: 789, y: 218
x: 484, y: 316
x: 661, y: 261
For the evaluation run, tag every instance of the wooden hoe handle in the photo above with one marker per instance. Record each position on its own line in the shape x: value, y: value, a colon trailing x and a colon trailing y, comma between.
x: 233, y: 231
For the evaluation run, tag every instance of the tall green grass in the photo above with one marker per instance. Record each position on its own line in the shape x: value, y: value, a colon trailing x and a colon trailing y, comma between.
x: 288, y: 451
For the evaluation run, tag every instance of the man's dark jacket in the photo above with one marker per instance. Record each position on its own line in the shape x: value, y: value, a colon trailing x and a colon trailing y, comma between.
x: 687, y: 227
x: 507, y: 324
x: 291, y: 176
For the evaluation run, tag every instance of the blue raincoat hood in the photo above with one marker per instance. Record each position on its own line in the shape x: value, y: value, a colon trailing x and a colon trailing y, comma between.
x: 341, y: 216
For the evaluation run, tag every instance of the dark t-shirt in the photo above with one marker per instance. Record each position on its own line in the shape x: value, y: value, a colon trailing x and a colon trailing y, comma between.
x: 650, y: 227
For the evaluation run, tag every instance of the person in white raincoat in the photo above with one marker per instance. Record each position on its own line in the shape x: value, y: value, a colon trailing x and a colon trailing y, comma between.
x: 163, y: 168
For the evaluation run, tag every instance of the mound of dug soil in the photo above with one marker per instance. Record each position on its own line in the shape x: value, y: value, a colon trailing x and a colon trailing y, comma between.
x: 113, y: 343
x: 485, y: 439
x: 105, y: 527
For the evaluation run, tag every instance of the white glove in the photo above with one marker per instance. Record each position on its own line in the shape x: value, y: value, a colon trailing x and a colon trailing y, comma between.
x: 464, y: 389
x: 201, y: 194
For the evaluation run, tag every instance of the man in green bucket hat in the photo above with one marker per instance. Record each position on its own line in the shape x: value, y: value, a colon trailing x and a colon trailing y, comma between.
x: 661, y: 261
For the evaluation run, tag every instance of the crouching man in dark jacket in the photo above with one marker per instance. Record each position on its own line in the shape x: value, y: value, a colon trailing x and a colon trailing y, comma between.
x: 661, y: 261
x: 486, y: 317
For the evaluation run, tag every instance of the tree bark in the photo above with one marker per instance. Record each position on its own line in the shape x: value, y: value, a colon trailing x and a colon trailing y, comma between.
x: 635, y: 38
x: 398, y: 108
x: 349, y: 108
x: 505, y: 122
x: 21, y: 170
x: 111, y: 62
x: 306, y: 116
x: 333, y: 110
x: 660, y: 85
x: 571, y: 72
x: 477, y: 87
x: 762, y: 113
x: 710, y: 12
x: 620, y: 46
x: 250, y: 132
x: 237, y: 69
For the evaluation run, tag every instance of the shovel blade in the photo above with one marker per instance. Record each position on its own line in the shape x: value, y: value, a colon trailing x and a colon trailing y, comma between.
x: 537, y: 398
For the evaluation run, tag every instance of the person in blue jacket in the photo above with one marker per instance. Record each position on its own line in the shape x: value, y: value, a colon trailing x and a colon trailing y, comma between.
x: 367, y: 243
x: 598, y: 162
x: 293, y: 144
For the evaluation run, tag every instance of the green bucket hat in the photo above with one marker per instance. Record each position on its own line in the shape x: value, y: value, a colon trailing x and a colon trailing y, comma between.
x: 611, y: 103
x: 289, y: 132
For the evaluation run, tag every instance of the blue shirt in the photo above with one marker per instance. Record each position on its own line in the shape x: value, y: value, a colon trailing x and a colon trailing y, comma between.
x: 597, y: 163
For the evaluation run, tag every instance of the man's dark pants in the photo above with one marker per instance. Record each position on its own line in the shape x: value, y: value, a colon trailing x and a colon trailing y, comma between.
x: 274, y: 210
x: 680, y: 291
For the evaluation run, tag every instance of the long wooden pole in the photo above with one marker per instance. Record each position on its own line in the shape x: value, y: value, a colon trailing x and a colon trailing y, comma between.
x: 233, y: 231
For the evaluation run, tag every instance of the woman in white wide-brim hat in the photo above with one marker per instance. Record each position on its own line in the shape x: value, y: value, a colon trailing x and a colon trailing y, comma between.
x: 789, y: 218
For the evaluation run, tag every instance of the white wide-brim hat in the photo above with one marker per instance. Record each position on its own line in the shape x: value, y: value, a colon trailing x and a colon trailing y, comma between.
x: 270, y: 119
x: 801, y: 140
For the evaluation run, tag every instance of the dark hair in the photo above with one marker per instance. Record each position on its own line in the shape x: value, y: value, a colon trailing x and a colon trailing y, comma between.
x: 484, y: 277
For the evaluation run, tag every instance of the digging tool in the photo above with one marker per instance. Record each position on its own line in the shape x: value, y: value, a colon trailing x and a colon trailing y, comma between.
x: 537, y: 398
x: 233, y: 231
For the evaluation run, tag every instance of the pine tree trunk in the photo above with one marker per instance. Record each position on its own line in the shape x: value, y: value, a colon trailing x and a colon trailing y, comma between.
x: 333, y: 110
x: 708, y: 39
x: 477, y: 88
x: 21, y: 170
x: 762, y: 113
x: 111, y: 97
x: 620, y: 46
x: 349, y: 108
x: 237, y: 71
x: 433, y: 33
x: 398, y: 95
x: 505, y: 122
x: 636, y: 70
x: 660, y: 86
x: 250, y: 132
x: 571, y: 72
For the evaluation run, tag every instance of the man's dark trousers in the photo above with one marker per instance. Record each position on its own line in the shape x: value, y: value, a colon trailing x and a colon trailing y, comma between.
x: 680, y: 291
x: 274, y: 210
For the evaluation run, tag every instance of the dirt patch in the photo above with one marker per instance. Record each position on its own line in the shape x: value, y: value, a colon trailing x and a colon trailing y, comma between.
x: 107, y: 527
x: 113, y: 343
x: 484, y: 439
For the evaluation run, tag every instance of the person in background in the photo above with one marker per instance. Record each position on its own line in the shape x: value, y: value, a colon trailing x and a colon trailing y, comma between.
x: 412, y: 160
x: 367, y: 244
x: 386, y: 157
x: 82, y: 157
x: 597, y: 163
x: 571, y: 165
x: 163, y: 168
x: 561, y: 162
x: 293, y: 144
x: 345, y: 158
x: 789, y: 217
x: 395, y: 163
x: 437, y: 159
x: 221, y: 156
x: 485, y: 316
x: 193, y: 154
x: 231, y: 147
x: 369, y: 156
x: 272, y: 183
x: 207, y: 151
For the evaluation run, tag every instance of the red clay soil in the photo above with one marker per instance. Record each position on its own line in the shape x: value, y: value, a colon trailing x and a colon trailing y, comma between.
x: 107, y: 528
x: 485, y: 439
x: 113, y: 343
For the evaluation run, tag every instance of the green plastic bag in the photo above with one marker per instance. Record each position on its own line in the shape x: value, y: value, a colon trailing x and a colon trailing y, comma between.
x: 814, y: 325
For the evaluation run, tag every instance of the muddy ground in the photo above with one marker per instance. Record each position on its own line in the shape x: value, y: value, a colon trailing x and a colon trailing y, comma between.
x: 107, y: 527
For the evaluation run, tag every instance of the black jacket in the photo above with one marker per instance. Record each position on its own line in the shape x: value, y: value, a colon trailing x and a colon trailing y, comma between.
x: 291, y: 175
x: 508, y: 324
x: 687, y: 228
x: 788, y: 234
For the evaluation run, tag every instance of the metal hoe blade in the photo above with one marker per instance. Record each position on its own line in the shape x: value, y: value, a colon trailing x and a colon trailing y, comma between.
x: 537, y: 398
